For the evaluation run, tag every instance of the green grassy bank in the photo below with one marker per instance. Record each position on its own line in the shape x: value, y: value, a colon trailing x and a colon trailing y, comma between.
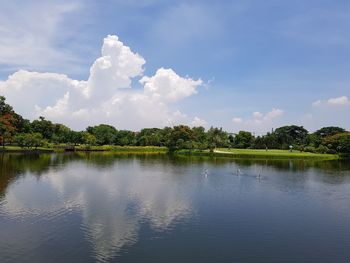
x: 259, y: 154
x: 219, y: 152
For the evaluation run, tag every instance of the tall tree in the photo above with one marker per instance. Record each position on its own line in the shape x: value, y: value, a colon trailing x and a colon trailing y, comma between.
x: 105, y: 134
x: 329, y: 131
x: 45, y: 127
x: 288, y: 135
x: 7, y: 128
x: 243, y: 139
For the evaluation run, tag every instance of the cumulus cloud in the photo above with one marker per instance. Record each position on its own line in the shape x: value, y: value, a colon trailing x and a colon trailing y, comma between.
x: 343, y: 100
x: 198, y: 122
x: 274, y: 113
x: 109, y: 226
x: 107, y: 221
x: 114, y: 69
x: 258, y: 121
x: 166, y: 85
x: 338, y: 101
x: 328, y: 112
x: 258, y: 117
x: 106, y: 96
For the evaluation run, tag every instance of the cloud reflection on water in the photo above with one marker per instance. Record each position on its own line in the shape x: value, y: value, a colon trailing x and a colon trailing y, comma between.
x: 113, y: 202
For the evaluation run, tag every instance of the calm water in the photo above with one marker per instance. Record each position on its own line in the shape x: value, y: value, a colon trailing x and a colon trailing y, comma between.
x: 112, y: 208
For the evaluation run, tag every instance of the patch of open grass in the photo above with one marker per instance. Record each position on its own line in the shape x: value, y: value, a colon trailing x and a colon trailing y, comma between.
x: 274, y: 153
x: 262, y: 154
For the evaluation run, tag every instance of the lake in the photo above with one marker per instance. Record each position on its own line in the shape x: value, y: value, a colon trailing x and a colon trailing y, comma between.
x: 103, y: 207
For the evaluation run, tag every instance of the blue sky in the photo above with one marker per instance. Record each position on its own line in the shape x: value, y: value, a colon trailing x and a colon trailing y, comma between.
x: 262, y: 63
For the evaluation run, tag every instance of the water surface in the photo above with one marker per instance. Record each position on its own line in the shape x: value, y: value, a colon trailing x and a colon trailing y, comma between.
x: 103, y: 207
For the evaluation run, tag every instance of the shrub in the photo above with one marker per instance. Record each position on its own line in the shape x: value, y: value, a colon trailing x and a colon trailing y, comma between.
x: 322, y: 149
x: 310, y: 149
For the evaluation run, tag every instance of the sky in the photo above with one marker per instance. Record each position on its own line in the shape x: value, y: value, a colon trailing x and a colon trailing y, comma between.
x: 241, y: 65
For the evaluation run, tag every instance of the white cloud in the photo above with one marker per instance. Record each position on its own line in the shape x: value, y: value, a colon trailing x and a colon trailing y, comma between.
x: 338, y: 101
x: 114, y: 69
x: 273, y: 114
x: 257, y: 115
x: 31, y: 33
x: 237, y: 120
x: 106, y: 97
x: 166, y: 85
x: 328, y: 112
x: 110, y: 226
x: 258, y: 121
x: 317, y: 103
x: 198, y: 122
x: 343, y: 100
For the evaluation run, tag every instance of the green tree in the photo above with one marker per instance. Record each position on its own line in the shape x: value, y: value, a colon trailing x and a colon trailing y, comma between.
x: 75, y: 138
x: 290, y: 135
x: 4, y: 107
x: 217, y: 138
x: 45, y: 127
x: 105, y: 134
x: 339, y: 142
x: 176, y: 137
x: 243, y: 139
x: 29, y: 140
x: 150, y: 136
x: 315, y: 139
x: 125, y: 137
x: 88, y: 138
x: 329, y: 131
x: 61, y: 134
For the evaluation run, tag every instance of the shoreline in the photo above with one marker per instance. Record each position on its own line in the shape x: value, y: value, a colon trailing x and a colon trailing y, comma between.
x: 261, y: 154
x: 226, y: 153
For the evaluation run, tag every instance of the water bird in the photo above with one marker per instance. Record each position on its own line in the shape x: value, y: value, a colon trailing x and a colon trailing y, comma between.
x: 238, y: 172
x: 259, y: 174
x: 206, y: 172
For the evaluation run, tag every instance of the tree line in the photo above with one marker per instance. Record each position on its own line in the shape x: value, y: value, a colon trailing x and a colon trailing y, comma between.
x: 15, y: 130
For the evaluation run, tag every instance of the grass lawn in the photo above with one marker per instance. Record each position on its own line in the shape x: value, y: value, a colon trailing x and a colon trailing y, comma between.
x: 274, y: 153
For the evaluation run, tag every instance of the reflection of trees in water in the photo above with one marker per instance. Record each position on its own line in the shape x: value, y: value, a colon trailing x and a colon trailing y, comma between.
x: 114, y: 202
x: 14, y: 164
x: 7, y: 174
x: 117, y: 193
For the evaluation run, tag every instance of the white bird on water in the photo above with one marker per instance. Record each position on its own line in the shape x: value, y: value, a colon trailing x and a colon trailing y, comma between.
x: 206, y: 172
x: 259, y: 175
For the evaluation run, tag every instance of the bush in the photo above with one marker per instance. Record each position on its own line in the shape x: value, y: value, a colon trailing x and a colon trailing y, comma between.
x: 310, y: 149
x: 331, y: 151
x: 322, y: 149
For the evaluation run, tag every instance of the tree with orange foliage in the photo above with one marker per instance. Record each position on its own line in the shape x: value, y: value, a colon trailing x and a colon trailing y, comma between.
x: 6, y: 128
